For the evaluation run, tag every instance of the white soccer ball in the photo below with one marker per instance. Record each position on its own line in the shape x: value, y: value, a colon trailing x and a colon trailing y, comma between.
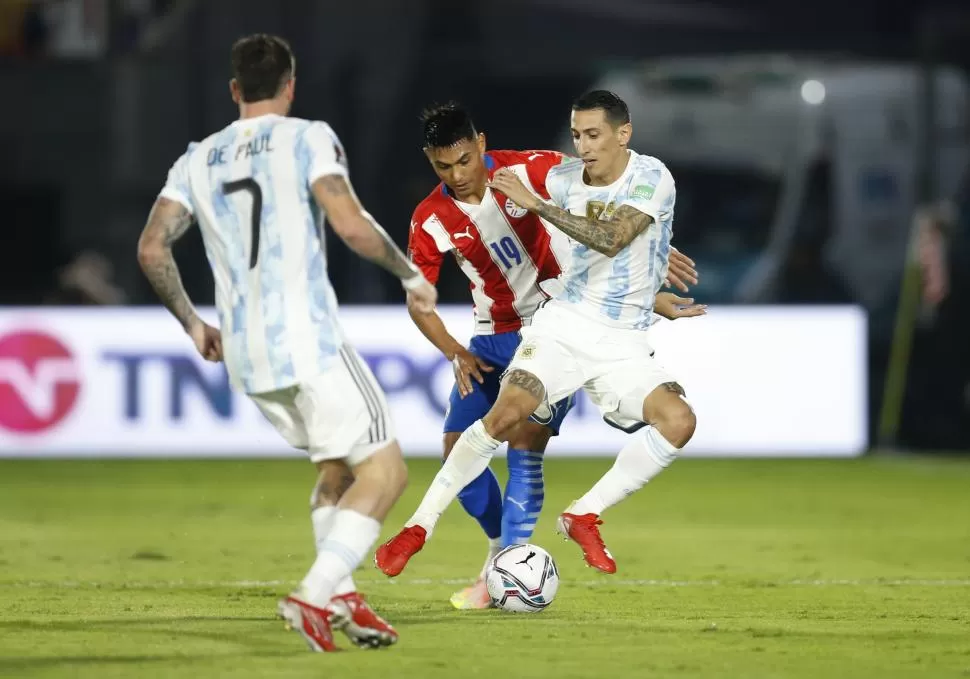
x: 522, y: 579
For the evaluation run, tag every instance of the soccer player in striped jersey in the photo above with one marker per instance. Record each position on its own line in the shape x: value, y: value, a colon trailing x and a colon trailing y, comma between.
x: 259, y: 190
x: 509, y: 256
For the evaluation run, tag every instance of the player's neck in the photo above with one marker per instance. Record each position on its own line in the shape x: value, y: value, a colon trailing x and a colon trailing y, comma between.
x: 262, y: 108
x: 615, y: 171
x: 474, y: 197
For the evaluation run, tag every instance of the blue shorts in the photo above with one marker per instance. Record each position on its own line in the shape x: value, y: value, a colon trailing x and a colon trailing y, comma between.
x: 496, y: 350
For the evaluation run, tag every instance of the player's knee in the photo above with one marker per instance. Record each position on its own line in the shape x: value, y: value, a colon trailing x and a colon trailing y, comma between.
x: 521, y: 394
x: 677, y: 423
x: 333, y: 480
x: 531, y: 436
x: 503, y: 419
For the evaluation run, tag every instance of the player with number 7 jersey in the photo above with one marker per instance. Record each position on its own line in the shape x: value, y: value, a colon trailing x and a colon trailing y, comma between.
x: 259, y: 190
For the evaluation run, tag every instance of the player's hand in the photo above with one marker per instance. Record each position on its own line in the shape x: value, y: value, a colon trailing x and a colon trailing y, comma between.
x: 467, y: 366
x: 208, y: 340
x: 506, y: 181
x: 680, y: 270
x: 672, y: 307
x: 422, y: 296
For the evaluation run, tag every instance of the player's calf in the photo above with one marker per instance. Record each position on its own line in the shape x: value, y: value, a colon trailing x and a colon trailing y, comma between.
x: 335, y: 478
x: 524, y: 492
x: 645, y: 455
x: 518, y: 398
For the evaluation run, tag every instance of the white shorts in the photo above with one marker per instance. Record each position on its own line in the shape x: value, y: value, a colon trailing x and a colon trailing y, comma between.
x: 568, y: 352
x: 341, y: 414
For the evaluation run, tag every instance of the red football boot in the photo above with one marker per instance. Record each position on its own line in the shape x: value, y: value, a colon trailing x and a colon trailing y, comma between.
x: 582, y: 529
x: 393, y: 555
x: 315, y: 624
x: 364, y: 627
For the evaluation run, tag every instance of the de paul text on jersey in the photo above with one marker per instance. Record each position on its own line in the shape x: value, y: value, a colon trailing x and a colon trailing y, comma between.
x: 219, y: 155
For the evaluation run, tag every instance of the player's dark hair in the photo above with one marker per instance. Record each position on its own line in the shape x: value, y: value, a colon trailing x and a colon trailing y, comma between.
x: 446, y: 125
x: 616, y: 110
x: 261, y: 65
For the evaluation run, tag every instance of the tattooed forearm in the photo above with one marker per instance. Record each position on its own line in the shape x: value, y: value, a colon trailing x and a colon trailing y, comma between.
x: 393, y: 259
x: 167, y: 223
x: 526, y: 380
x: 358, y: 229
x: 608, y: 237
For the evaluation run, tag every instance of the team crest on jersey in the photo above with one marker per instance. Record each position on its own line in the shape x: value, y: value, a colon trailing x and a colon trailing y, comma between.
x: 513, y: 210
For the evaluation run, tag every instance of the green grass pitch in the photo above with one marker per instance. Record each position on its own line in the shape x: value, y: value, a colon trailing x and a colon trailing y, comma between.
x: 727, y: 568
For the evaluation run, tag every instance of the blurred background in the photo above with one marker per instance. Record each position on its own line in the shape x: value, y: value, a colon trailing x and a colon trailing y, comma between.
x: 821, y: 150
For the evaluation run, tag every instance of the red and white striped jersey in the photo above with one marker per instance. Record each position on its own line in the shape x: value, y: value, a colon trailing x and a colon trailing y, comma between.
x: 504, y: 250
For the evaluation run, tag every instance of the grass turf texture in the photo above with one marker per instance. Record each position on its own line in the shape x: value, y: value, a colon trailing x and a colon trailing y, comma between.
x: 803, y: 568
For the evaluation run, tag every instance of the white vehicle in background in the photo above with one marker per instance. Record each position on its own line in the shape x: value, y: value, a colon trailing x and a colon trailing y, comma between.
x: 790, y: 167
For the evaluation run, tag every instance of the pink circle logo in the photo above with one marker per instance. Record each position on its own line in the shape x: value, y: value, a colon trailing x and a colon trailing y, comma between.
x: 39, y: 382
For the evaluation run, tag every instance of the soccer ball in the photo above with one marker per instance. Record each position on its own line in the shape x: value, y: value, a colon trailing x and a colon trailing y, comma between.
x: 522, y: 579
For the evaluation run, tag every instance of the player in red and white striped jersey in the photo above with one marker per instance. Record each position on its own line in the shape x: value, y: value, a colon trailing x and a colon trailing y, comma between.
x: 505, y: 251
x: 508, y: 255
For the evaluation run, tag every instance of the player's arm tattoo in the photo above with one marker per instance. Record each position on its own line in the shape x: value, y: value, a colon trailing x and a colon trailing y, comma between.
x: 606, y: 236
x: 335, y: 185
x: 384, y: 252
x: 526, y: 380
x: 167, y: 222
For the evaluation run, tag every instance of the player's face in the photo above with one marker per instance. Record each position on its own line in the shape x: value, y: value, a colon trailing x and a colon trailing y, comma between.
x: 461, y: 166
x: 600, y: 145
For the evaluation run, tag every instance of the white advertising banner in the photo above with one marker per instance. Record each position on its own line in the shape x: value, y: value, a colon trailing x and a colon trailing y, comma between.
x: 126, y: 382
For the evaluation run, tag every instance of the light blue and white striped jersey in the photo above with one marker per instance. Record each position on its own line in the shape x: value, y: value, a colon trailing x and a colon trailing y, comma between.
x: 618, y: 291
x: 248, y: 187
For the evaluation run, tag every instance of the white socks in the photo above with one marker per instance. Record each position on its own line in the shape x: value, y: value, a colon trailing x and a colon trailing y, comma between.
x: 468, y: 459
x: 645, y: 455
x: 322, y: 518
x: 341, y: 551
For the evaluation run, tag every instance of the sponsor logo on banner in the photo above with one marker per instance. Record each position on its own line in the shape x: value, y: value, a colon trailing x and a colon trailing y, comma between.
x: 39, y: 381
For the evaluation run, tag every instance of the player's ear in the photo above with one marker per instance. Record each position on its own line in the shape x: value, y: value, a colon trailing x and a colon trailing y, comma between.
x: 623, y: 133
x: 481, y: 142
x: 234, y: 91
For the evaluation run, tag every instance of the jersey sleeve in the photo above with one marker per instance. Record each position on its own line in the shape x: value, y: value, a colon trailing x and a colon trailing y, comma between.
x: 537, y: 166
x: 557, y: 185
x: 422, y: 249
x: 177, y: 184
x: 652, y: 191
x: 326, y: 153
